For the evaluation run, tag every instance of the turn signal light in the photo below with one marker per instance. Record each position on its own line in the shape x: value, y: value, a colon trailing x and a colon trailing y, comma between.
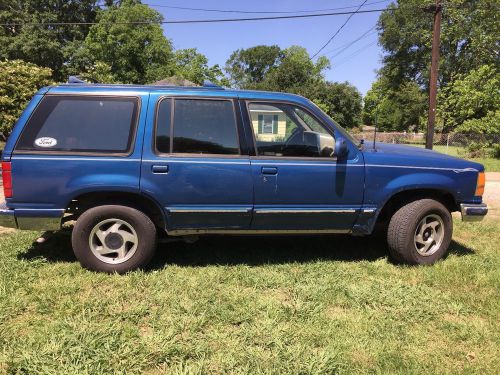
x: 7, y: 179
x: 481, y: 181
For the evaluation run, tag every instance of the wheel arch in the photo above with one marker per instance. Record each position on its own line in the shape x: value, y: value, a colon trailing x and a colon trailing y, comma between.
x: 405, y: 196
x: 82, y: 202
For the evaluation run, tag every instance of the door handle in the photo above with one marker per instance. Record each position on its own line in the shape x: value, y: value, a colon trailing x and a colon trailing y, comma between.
x: 270, y: 170
x: 159, y: 169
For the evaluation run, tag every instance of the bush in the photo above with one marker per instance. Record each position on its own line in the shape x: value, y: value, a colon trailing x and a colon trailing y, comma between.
x: 475, y: 150
x: 496, y: 151
x: 19, y: 80
x: 489, y: 124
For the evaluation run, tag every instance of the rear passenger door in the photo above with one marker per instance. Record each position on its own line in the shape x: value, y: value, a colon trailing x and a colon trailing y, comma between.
x: 194, y: 165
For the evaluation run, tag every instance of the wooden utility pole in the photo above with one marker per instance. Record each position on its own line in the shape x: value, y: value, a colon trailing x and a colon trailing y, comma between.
x: 434, y: 74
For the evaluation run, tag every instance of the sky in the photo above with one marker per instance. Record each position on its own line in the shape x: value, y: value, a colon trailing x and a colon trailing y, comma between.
x: 357, y: 63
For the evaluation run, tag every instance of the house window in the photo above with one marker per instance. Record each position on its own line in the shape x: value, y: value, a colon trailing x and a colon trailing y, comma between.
x: 268, y: 124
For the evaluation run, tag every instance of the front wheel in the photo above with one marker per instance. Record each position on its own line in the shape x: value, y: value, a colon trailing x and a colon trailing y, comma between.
x: 114, y: 238
x: 420, y: 232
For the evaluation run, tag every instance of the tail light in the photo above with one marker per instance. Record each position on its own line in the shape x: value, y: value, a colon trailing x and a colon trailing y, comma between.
x: 481, y: 181
x: 7, y: 179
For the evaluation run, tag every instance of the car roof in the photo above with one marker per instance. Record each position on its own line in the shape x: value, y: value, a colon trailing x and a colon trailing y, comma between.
x: 121, y: 89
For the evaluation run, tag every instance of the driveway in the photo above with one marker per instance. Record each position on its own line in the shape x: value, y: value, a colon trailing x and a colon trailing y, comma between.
x: 491, y: 196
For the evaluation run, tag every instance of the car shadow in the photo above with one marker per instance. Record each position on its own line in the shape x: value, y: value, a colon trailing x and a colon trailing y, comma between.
x: 242, y: 250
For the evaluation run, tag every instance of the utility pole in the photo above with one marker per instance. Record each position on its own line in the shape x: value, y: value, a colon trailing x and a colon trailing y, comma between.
x: 431, y: 121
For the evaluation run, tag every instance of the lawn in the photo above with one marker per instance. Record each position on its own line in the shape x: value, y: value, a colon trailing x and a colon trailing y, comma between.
x: 253, y: 305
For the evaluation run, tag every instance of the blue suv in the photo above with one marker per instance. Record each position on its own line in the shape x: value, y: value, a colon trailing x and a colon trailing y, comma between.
x: 128, y: 163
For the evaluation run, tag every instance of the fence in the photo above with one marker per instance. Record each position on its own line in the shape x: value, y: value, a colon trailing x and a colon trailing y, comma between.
x: 457, y: 144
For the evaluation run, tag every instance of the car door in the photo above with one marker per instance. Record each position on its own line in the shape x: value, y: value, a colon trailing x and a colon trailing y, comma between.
x: 299, y: 185
x: 193, y: 163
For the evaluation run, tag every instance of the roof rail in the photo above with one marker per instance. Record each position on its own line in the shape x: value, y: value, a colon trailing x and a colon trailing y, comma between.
x: 209, y: 84
x: 75, y: 79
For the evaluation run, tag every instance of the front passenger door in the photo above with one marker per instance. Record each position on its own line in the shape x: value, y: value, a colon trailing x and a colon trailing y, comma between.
x: 299, y: 185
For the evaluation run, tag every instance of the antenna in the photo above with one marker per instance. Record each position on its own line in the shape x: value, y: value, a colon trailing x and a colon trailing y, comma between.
x: 375, y: 130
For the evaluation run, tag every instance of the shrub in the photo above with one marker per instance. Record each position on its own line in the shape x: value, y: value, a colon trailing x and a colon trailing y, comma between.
x: 496, y: 151
x: 19, y: 80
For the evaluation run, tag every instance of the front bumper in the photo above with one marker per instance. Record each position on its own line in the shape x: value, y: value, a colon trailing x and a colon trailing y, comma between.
x: 473, y: 212
x: 31, y: 219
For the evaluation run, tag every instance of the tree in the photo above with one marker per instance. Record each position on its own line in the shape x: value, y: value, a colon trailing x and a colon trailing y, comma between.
x: 295, y: 72
x: 292, y: 70
x: 470, y: 96
x: 19, y: 81
x: 247, y: 67
x: 341, y: 101
x: 469, y: 39
x: 48, y: 46
x: 398, y: 109
x: 136, y: 53
x: 193, y: 66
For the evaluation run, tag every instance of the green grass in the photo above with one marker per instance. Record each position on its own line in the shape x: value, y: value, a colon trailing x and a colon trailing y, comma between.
x: 253, y: 305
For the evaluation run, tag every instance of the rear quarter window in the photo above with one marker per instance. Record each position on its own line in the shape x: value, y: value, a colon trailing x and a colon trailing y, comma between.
x: 81, y: 124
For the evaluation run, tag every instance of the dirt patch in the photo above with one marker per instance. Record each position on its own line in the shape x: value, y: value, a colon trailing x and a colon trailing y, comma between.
x: 492, y: 195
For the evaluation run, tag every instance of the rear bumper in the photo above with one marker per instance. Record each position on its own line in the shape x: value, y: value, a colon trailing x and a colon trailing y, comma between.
x: 31, y: 219
x: 473, y: 212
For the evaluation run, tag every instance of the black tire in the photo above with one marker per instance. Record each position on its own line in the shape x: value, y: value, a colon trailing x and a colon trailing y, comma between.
x: 142, y: 248
x: 401, y: 233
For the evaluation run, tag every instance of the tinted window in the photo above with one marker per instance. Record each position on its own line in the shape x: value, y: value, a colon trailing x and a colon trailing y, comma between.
x: 163, y: 119
x: 81, y: 124
x: 205, y: 127
x: 286, y: 130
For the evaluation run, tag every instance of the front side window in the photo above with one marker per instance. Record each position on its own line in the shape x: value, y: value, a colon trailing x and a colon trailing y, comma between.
x: 199, y: 126
x: 82, y: 124
x: 287, y: 130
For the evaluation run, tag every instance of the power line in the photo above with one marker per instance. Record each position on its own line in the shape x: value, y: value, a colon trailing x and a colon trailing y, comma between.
x: 339, y: 29
x: 347, y: 45
x: 194, y: 21
x: 355, y: 53
x: 258, y: 11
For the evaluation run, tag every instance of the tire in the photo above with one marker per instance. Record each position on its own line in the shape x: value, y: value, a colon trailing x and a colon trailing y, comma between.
x: 114, y: 239
x: 420, y: 232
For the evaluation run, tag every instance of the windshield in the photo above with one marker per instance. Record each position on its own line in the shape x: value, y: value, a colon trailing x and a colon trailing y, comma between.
x: 339, y: 128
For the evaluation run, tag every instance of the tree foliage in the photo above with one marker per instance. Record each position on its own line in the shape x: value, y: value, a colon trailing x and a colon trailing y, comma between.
x: 193, y: 66
x: 469, y: 40
x: 489, y: 124
x: 248, y: 67
x: 135, y: 53
x: 48, y: 46
x: 19, y: 80
x: 292, y: 70
x: 470, y: 96
x: 394, y: 109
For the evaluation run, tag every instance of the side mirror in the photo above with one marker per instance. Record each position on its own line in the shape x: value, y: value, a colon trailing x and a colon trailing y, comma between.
x: 341, y: 150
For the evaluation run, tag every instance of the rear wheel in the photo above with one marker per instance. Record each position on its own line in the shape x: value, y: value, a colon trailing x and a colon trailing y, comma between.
x: 114, y: 238
x: 420, y: 232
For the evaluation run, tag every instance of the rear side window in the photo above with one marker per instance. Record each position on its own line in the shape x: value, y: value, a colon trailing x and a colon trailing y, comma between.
x: 200, y: 126
x: 88, y: 124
